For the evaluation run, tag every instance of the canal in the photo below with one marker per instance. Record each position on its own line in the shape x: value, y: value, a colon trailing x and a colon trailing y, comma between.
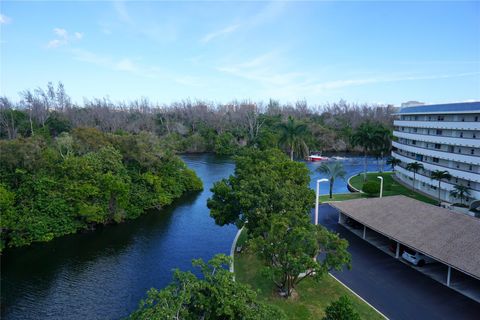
x: 104, y: 273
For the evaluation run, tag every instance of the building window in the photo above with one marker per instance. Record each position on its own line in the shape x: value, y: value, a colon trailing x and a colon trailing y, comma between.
x: 461, y: 134
x: 459, y: 150
x: 415, y: 118
x: 451, y: 149
x: 439, y: 132
x: 435, y: 160
x: 472, y: 151
x: 403, y: 129
x: 458, y: 166
x: 470, y: 167
x: 463, y: 119
x: 468, y: 183
x: 438, y: 146
x: 456, y: 180
x: 440, y: 118
x: 474, y: 136
x: 415, y: 130
x: 414, y: 142
x: 476, y: 118
x: 429, y: 118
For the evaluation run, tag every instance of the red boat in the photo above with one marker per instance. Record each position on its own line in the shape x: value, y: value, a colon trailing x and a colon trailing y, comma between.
x: 316, y: 157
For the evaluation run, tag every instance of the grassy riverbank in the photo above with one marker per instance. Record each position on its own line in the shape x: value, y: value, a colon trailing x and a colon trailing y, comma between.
x: 313, y: 296
x: 390, y: 186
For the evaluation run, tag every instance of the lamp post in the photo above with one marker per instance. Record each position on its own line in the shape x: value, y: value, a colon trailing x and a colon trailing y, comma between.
x: 381, y: 185
x: 318, y: 195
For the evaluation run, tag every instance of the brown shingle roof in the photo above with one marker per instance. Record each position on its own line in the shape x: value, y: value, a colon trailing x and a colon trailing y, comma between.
x: 452, y: 238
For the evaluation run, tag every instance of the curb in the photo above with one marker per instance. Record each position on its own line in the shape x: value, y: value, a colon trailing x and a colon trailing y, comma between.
x: 349, y: 185
x: 343, y: 284
x: 232, y: 251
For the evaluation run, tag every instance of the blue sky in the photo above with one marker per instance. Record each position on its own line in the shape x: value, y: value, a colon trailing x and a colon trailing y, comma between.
x: 385, y: 52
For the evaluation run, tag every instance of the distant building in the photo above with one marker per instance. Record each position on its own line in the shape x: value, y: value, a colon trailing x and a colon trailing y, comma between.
x: 411, y: 104
x: 441, y: 137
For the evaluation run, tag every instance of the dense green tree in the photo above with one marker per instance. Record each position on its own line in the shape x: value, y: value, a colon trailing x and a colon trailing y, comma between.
x: 294, y: 249
x: 440, y: 175
x: 265, y: 183
x: 79, y: 180
x: 214, y: 296
x: 57, y: 124
x: 333, y: 170
x: 292, y: 135
x: 414, y: 167
x: 342, y: 309
x: 226, y: 144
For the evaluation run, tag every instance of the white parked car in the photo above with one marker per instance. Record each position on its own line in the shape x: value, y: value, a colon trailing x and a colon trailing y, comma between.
x: 416, y: 258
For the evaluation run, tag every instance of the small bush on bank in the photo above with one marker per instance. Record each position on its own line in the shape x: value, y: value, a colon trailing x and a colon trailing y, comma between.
x: 371, y: 188
x: 342, y: 309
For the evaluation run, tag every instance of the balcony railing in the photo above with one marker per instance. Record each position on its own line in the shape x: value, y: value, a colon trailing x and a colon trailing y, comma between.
x: 438, y: 154
x: 452, y: 125
x: 475, y: 194
x: 466, y: 175
x: 464, y: 142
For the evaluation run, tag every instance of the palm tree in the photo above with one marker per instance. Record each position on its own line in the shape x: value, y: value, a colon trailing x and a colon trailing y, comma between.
x: 440, y: 175
x: 414, y: 167
x: 292, y: 134
x: 333, y: 170
x: 365, y: 136
x: 460, y: 192
x: 383, y: 143
x: 393, y: 162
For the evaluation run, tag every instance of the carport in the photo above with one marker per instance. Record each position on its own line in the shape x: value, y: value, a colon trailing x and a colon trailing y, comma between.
x: 450, y: 238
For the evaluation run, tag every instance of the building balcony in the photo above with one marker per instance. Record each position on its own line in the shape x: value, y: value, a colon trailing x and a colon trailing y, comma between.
x: 419, y: 178
x: 464, y: 142
x: 471, y: 176
x: 438, y: 154
x: 451, y: 125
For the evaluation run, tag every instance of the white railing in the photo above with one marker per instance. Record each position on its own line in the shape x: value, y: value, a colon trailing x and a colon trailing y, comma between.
x: 453, y: 125
x: 438, y: 154
x: 475, y: 143
x: 421, y: 178
x: 474, y: 194
x: 432, y: 167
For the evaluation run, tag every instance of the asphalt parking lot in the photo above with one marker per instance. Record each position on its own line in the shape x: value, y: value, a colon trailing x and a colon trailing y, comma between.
x: 394, y: 288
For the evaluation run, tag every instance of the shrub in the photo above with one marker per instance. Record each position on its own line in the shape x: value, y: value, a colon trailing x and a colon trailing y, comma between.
x: 371, y: 188
x: 342, y: 309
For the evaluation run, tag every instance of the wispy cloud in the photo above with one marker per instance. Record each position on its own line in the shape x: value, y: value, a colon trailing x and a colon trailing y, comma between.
x: 270, y: 11
x: 222, y: 32
x: 4, y: 19
x: 268, y: 73
x: 62, y: 37
x: 122, y: 11
x: 124, y: 64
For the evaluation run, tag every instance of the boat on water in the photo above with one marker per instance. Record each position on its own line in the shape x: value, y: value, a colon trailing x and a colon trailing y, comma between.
x: 316, y: 157
x: 339, y: 158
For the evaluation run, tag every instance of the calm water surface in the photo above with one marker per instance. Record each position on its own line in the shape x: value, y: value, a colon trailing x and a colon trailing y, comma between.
x: 103, y: 274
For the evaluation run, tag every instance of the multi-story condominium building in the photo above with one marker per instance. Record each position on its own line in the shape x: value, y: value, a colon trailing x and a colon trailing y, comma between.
x: 442, y: 137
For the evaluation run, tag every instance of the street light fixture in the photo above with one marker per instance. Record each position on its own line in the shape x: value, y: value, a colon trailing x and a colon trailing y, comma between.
x: 381, y: 185
x: 318, y: 195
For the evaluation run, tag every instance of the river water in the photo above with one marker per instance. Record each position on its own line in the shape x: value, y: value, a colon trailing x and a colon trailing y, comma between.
x: 104, y: 273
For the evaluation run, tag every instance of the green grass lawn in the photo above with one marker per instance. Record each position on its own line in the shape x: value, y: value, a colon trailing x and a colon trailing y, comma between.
x: 342, y: 196
x: 313, y: 297
x: 390, y: 186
